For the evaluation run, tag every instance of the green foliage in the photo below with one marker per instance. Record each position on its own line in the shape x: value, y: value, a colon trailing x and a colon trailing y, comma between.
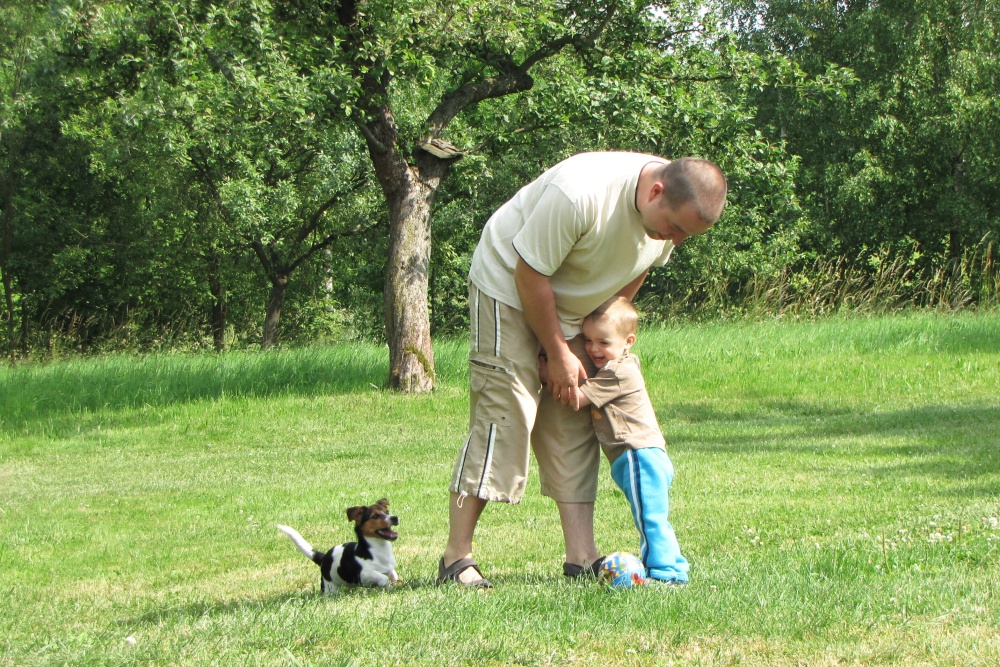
x: 166, y: 164
x: 240, y: 117
x: 911, y: 151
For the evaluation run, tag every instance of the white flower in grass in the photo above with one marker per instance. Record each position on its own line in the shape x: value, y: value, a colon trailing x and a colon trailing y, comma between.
x: 938, y: 536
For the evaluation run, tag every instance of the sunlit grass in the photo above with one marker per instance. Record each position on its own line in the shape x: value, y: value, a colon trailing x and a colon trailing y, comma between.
x: 837, y: 491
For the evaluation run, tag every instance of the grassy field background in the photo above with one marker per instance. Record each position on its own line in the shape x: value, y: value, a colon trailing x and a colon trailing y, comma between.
x: 837, y: 492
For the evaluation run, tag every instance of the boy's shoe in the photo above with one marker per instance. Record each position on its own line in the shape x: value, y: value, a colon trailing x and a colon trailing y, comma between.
x: 665, y: 583
x: 574, y: 571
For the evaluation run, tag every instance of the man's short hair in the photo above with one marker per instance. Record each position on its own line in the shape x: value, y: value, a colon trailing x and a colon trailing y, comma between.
x: 620, y: 312
x: 695, y: 180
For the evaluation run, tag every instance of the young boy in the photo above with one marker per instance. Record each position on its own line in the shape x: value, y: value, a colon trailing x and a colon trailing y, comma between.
x: 630, y: 436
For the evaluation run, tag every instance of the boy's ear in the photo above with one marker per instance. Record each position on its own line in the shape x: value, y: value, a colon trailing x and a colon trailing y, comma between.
x: 629, y: 342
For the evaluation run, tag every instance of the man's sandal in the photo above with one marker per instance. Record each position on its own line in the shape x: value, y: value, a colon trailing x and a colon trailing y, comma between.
x: 451, y: 573
x: 574, y: 571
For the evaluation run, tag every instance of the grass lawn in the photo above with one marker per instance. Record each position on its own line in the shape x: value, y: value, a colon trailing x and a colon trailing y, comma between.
x: 837, y: 492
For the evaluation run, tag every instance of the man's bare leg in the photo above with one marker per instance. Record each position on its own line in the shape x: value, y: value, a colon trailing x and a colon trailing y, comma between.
x: 463, y: 515
x: 578, y: 530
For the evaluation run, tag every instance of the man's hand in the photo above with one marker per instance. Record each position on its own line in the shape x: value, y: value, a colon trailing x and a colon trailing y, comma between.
x: 565, y: 370
x: 565, y: 375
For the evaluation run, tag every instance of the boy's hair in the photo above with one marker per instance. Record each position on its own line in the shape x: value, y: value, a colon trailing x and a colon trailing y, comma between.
x: 620, y: 312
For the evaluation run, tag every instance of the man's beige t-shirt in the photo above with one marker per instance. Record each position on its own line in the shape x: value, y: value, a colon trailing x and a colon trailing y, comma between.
x: 624, y: 417
x: 578, y: 224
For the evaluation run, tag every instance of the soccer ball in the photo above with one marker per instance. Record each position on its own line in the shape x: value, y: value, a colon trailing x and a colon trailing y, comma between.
x: 622, y: 570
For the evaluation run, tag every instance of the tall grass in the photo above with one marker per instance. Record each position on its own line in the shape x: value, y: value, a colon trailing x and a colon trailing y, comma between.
x: 888, y: 280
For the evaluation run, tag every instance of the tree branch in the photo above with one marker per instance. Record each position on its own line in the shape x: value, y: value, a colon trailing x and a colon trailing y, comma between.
x: 329, y: 239
x: 372, y: 140
x: 265, y: 260
x: 520, y: 130
x: 359, y: 180
x: 513, y: 81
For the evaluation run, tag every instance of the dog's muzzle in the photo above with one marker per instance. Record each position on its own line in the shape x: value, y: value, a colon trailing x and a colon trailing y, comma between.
x: 387, y: 534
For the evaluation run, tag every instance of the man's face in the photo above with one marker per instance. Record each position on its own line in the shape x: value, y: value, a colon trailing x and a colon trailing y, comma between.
x: 668, y: 224
x: 664, y: 223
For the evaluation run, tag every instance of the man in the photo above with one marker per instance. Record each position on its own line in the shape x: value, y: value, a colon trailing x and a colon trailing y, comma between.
x: 587, y: 229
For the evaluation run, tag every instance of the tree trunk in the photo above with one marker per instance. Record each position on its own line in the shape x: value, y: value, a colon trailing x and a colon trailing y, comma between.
x: 6, y: 242
x: 25, y: 327
x: 8, y: 314
x: 279, y: 285
x: 409, y: 191
x: 328, y: 279
x: 218, y: 316
x: 407, y: 317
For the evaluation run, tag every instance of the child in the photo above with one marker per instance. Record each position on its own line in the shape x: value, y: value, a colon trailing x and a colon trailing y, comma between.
x: 630, y: 436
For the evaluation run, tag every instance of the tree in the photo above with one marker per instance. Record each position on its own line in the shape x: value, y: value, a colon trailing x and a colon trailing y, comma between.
x: 419, y: 68
x: 224, y: 135
x: 469, y: 54
x: 911, y: 154
x: 20, y: 47
x: 216, y: 93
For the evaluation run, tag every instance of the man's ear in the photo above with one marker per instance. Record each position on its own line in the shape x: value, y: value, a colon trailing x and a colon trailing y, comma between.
x: 656, y: 189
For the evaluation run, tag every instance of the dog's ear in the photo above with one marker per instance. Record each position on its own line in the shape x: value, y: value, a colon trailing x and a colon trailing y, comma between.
x: 384, y: 504
x: 355, y: 514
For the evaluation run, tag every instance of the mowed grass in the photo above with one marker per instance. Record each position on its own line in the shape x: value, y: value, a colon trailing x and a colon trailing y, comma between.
x: 837, y: 492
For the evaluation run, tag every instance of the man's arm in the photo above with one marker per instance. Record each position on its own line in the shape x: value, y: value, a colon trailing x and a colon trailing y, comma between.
x: 630, y: 290
x: 538, y: 301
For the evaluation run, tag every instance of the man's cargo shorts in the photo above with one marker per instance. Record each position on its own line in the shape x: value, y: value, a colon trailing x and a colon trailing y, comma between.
x: 509, y: 414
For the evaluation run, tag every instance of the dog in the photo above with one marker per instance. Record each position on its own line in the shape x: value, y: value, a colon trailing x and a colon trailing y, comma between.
x: 367, y: 562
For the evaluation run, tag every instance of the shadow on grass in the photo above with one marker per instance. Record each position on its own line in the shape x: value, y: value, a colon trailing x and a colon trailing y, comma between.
x: 959, y: 443
x: 213, y: 609
x: 195, y: 610
x: 48, y: 395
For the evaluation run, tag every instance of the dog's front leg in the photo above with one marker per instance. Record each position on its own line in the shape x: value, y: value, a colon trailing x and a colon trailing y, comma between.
x: 374, y: 578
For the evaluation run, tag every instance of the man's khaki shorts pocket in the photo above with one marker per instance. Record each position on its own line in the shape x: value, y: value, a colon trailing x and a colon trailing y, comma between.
x: 493, y: 393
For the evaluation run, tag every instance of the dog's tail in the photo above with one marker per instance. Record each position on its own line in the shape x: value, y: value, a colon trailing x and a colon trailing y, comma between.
x: 301, y: 543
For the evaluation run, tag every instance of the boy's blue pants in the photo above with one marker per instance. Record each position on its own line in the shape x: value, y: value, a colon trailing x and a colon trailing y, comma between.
x: 645, y: 476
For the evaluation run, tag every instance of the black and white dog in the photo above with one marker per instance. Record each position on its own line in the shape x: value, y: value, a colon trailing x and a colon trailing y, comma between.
x: 367, y: 562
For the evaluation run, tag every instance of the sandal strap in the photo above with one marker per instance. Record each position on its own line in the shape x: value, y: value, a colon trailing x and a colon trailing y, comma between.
x: 572, y: 570
x: 451, y: 573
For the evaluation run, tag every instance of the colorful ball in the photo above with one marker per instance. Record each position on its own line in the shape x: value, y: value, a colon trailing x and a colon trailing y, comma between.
x: 622, y: 570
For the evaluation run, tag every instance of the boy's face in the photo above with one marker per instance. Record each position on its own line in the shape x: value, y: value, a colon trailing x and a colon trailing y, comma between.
x: 604, y: 342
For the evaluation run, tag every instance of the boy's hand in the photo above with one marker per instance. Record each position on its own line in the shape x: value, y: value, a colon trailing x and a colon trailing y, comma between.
x: 543, y: 368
